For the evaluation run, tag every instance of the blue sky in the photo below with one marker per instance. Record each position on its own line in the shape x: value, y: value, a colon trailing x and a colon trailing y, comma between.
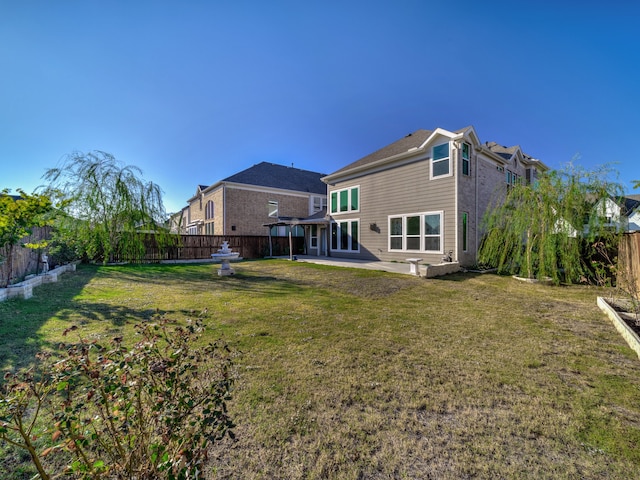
x: 194, y: 91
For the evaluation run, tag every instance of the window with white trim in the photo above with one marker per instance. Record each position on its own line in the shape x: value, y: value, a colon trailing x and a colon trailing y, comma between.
x: 346, y: 200
x: 272, y: 208
x: 440, y: 160
x: 465, y: 153
x: 345, y: 236
x: 208, y: 227
x: 208, y: 210
x: 313, y: 236
x: 512, y: 178
x: 416, y: 232
x: 318, y: 203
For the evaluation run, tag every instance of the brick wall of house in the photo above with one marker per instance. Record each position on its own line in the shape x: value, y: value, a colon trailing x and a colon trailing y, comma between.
x: 196, y: 211
x: 217, y: 197
x: 244, y: 208
x: 248, y: 210
x: 486, y: 184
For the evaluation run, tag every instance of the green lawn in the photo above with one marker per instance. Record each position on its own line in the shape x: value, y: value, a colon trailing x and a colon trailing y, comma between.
x: 356, y: 374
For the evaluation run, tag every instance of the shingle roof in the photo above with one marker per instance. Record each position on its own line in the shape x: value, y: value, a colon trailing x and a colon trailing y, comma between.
x: 504, y: 152
x: 271, y: 175
x: 14, y: 197
x: 412, y: 140
x: 628, y: 204
x: 507, y: 152
x: 418, y: 138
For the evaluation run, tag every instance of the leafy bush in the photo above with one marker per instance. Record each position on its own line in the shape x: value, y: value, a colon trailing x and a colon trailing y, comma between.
x: 146, y: 412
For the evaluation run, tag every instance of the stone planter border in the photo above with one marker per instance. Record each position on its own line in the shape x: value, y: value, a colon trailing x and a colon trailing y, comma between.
x: 24, y: 289
x: 440, y: 269
x: 627, y: 332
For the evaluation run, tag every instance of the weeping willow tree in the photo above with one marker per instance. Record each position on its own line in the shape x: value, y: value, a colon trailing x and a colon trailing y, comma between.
x: 108, y: 207
x: 554, y: 228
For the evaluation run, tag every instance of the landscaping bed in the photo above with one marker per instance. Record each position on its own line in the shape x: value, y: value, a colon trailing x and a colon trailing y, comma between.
x: 624, y: 316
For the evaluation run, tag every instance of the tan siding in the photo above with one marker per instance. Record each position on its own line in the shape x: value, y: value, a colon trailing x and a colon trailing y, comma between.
x: 397, y: 191
x: 407, y: 189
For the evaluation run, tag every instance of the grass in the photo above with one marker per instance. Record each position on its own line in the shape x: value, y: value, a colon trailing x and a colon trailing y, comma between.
x: 355, y: 374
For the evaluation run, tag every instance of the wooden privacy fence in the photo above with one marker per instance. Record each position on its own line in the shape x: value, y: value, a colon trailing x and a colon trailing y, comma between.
x: 629, y: 263
x: 23, y: 261
x: 200, y: 247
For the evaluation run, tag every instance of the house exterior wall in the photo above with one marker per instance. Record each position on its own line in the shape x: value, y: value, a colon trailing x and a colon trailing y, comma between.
x: 196, y: 214
x: 246, y: 209
x: 468, y: 188
x: 405, y: 189
x: 634, y: 222
x: 242, y: 210
x: 217, y: 197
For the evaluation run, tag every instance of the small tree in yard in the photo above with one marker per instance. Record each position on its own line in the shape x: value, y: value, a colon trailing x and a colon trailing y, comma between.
x: 145, y: 412
x: 107, y: 204
x: 17, y: 218
x: 553, y: 228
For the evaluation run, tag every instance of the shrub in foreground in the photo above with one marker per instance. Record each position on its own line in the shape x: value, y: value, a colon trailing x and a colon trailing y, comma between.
x: 146, y: 412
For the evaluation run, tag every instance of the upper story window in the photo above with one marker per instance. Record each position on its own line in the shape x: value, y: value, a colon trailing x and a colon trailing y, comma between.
x: 440, y: 161
x: 345, y: 200
x: 466, y: 159
x: 273, y: 208
x: 209, y: 210
x: 512, y: 178
x: 318, y: 203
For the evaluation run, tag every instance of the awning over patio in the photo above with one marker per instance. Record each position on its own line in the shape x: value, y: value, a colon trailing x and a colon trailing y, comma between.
x: 318, y: 218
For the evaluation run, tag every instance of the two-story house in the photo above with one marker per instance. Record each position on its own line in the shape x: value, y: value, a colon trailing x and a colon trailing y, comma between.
x: 621, y: 212
x: 422, y: 196
x: 245, y: 202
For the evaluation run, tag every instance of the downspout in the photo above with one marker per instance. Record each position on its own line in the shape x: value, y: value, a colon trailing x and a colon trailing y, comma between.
x: 224, y: 209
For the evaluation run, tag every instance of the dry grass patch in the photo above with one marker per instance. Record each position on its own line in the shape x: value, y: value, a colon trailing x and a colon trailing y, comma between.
x: 355, y: 374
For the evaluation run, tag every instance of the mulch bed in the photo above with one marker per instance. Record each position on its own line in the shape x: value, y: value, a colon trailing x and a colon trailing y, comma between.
x: 627, y: 312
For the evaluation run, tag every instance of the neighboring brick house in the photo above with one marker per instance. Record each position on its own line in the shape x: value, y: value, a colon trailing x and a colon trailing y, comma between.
x: 245, y: 202
x: 422, y: 196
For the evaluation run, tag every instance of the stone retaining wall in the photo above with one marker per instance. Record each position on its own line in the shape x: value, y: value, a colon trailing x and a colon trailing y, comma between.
x: 24, y: 289
x: 441, y: 269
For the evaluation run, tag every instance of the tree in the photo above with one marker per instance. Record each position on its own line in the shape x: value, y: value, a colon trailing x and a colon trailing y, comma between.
x: 17, y: 218
x: 553, y: 228
x: 106, y: 204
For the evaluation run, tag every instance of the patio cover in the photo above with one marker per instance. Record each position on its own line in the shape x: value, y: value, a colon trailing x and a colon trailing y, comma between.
x: 319, y: 218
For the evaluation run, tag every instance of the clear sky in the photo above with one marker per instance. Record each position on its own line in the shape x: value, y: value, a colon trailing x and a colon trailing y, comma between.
x: 194, y: 91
